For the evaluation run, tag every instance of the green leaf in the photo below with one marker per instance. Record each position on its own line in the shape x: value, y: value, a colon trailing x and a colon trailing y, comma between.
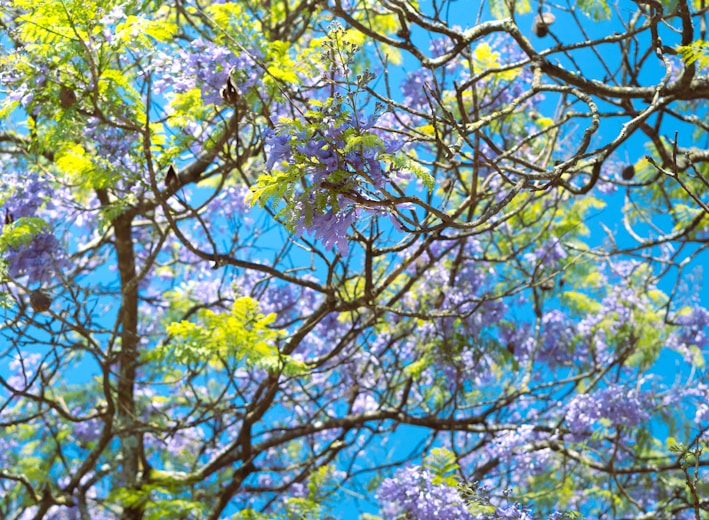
x: 596, y: 9
x: 684, y: 214
x: 244, y: 334
x: 501, y: 8
x: 581, y: 302
x: 81, y: 169
x: 416, y: 368
x: 442, y: 463
x: 362, y: 141
x: 138, y: 31
x: 696, y: 52
x: 408, y: 165
x: 21, y: 232
x: 268, y: 187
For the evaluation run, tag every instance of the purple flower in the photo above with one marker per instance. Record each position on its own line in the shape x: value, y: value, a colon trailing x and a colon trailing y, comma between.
x: 691, y: 332
x: 23, y: 370
x: 40, y: 259
x: 41, y: 256
x: 702, y: 415
x: 278, y: 149
x: 547, y: 253
x: 414, y: 87
x: 412, y: 494
x: 206, y: 65
x: 620, y: 406
x: 558, y: 346
x: 514, y: 512
x: 331, y: 228
x: 87, y: 431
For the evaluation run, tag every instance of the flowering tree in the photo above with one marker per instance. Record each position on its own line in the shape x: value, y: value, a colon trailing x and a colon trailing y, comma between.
x: 249, y: 247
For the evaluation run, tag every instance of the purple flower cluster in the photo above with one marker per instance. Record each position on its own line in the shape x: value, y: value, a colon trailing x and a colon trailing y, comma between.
x: 547, y: 253
x: 507, y: 444
x: 42, y: 256
x: 513, y: 512
x: 692, y: 331
x: 40, y: 259
x: 29, y: 193
x: 335, y: 172
x: 494, y: 91
x: 86, y: 431
x: 330, y: 227
x: 414, y: 88
x: 622, y: 407
x: 557, y: 345
x: 411, y: 493
x: 205, y: 65
x: 112, y: 144
x: 23, y: 370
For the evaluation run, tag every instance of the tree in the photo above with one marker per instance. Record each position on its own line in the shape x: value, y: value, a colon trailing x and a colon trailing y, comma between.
x: 248, y: 244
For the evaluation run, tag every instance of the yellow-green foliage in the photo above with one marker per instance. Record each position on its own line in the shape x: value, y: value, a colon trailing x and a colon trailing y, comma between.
x: 282, y: 64
x: 696, y: 52
x: 442, y: 464
x: 140, y: 31
x: 321, y: 485
x: 232, y: 18
x: 596, y: 9
x: 501, y: 8
x: 243, y: 334
x: 158, y: 502
x: 484, y: 58
x: 74, y: 162
x: 21, y: 232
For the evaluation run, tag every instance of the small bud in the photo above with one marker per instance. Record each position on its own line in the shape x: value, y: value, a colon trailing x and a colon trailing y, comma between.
x: 67, y: 97
x: 40, y: 300
x: 541, y: 24
x: 628, y: 172
x: 171, y: 177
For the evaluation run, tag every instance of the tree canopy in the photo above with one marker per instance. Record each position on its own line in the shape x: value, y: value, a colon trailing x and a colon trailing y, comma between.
x: 426, y: 259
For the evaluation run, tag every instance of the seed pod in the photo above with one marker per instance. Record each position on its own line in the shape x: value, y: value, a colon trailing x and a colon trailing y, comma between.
x: 67, y: 97
x: 628, y: 172
x: 541, y: 24
x: 9, y: 219
x: 40, y: 300
x: 229, y: 93
x: 171, y: 177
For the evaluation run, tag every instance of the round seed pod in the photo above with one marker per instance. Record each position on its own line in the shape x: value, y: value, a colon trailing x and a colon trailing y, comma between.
x: 541, y: 24
x: 67, y: 97
x: 628, y: 172
x: 40, y: 300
